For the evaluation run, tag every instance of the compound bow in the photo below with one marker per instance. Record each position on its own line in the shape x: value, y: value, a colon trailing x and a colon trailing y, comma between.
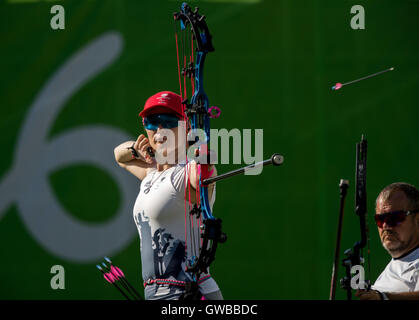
x: 195, y: 43
x: 354, y: 255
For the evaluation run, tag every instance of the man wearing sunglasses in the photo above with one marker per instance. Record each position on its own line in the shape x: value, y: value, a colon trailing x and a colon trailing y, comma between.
x: 159, y: 211
x: 397, y: 219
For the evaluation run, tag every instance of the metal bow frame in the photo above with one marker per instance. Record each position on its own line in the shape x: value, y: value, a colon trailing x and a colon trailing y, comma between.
x: 354, y: 256
x: 195, y: 42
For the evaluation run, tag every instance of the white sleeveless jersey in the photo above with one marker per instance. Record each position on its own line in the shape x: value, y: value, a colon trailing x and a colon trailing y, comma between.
x: 159, y: 213
x: 400, y: 275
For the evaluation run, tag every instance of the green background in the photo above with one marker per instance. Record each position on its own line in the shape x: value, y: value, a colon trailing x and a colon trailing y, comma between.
x: 274, y: 65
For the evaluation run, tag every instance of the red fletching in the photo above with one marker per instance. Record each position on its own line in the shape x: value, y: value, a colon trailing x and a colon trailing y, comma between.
x: 117, y: 272
x: 109, y: 277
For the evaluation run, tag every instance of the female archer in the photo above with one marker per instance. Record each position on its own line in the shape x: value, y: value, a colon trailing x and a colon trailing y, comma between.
x: 167, y: 183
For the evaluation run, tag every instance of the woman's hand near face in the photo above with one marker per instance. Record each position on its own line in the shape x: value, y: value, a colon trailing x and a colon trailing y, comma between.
x: 137, y: 166
x: 141, y: 146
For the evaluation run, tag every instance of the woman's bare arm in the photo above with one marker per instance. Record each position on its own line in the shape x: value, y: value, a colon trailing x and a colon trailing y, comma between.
x: 125, y: 159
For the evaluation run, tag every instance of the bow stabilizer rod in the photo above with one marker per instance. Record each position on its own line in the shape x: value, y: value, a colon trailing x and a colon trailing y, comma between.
x: 275, y: 160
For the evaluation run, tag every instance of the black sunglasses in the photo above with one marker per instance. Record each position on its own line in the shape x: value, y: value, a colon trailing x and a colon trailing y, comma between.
x: 392, y: 219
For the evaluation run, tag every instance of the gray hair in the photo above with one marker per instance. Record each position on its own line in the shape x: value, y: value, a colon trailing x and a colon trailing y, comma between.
x: 409, y: 190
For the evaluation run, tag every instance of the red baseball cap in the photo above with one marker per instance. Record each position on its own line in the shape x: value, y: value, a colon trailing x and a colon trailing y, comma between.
x: 163, y: 102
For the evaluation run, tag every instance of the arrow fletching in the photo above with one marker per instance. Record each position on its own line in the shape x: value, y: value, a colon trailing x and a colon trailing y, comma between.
x: 118, y: 271
x: 109, y: 277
